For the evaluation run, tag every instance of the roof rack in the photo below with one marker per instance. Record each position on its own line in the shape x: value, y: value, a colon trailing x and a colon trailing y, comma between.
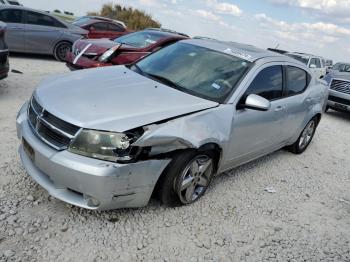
x: 167, y: 31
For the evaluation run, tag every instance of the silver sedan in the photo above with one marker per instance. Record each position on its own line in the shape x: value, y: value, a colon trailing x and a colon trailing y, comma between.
x: 111, y: 137
x: 32, y: 31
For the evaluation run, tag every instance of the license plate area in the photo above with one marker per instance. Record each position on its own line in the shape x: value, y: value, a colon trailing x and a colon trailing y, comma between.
x: 28, y: 149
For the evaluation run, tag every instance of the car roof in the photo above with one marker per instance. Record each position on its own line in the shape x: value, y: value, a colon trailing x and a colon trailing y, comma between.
x: 244, y: 51
x: 95, y: 19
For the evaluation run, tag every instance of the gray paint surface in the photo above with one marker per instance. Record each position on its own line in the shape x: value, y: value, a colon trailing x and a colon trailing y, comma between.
x: 39, y: 39
x: 117, y: 99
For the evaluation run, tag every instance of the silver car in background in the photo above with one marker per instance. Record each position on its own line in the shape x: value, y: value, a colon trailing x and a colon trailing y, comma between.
x: 338, y: 80
x: 316, y: 64
x: 111, y: 137
x: 32, y: 31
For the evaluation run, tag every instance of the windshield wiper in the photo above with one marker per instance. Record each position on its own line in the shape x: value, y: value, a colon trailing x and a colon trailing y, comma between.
x: 137, y: 68
x: 164, y: 80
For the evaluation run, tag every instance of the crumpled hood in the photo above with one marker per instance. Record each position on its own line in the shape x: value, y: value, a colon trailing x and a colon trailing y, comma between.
x: 98, y: 46
x: 114, y: 99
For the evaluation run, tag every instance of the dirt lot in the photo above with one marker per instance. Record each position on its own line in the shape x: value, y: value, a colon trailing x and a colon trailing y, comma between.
x: 306, y: 219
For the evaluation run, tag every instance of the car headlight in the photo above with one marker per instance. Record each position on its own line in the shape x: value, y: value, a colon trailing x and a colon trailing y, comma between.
x: 106, y: 55
x: 102, y: 145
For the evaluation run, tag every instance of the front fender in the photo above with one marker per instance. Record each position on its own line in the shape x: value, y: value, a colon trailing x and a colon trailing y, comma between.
x: 189, y: 132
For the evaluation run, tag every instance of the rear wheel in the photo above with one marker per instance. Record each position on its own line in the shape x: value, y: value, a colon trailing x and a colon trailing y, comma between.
x: 61, y: 50
x: 186, y: 178
x: 305, y: 137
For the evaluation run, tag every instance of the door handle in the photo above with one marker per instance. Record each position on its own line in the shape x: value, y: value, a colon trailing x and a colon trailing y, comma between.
x: 279, y: 109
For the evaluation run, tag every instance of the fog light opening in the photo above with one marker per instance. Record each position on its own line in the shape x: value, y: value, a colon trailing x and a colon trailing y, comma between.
x: 92, y: 202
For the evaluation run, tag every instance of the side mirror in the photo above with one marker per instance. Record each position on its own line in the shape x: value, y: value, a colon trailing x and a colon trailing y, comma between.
x: 312, y: 66
x: 256, y: 102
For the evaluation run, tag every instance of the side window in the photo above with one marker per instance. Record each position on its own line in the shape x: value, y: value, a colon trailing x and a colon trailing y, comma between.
x: 11, y: 16
x: 41, y: 19
x: 297, y: 80
x: 100, y: 26
x: 268, y: 83
x: 318, y: 63
x: 115, y: 28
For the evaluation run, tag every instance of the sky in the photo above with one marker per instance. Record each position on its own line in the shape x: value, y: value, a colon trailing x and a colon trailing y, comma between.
x: 320, y: 27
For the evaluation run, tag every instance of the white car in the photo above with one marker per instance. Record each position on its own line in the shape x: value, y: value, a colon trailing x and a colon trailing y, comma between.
x: 316, y: 64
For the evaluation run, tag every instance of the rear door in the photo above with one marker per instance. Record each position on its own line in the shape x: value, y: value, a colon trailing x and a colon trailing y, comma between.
x: 297, y: 102
x: 42, y: 32
x: 15, y: 29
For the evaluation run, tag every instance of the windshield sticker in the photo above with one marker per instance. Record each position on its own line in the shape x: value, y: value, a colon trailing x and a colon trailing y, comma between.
x: 238, y: 54
x: 216, y: 86
x: 150, y: 41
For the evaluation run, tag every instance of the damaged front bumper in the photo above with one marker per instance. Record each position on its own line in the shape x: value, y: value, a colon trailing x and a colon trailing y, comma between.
x: 82, y: 62
x: 86, y: 182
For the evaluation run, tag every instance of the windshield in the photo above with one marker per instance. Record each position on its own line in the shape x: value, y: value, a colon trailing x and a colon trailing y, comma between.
x: 195, y: 70
x: 345, y: 68
x: 303, y: 59
x: 341, y: 67
x: 140, y: 39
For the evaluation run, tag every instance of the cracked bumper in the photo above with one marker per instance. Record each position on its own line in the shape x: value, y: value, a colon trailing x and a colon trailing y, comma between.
x: 86, y: 182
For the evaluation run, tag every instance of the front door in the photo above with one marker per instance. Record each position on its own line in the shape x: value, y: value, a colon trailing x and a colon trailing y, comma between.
x: 256, y: 133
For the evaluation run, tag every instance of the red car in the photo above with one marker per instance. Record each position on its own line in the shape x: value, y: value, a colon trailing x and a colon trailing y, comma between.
x: 100, y: 27
x: 87, y: 53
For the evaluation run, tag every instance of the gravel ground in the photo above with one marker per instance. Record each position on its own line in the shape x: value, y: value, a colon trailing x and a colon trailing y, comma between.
x: 306, y: 219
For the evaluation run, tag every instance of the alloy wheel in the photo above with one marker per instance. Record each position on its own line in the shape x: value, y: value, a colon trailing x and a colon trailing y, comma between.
x: 307, y: 134
x: 195, y: 179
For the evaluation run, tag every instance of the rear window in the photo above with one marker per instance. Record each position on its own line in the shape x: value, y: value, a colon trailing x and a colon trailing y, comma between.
x: 140, y: 39
x: 297, y: 80
x: 11, y: 16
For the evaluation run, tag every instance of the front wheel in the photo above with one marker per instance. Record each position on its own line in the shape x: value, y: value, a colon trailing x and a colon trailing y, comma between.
x: 61, y: 50
x: 305, y: 138
x: 186, y: 178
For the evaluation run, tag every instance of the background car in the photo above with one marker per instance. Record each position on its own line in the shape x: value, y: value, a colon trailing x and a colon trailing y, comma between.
x: 126, y: 49
x: 4, y: 52
x: 32, y: 31
x: 338, y: 80
x: 316, y: 64
x: 100, y: 27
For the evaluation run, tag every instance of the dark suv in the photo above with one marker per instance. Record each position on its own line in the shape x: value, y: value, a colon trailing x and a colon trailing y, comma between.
x: 4, y: 52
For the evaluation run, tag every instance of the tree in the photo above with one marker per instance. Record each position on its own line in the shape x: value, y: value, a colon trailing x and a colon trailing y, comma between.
x: 135, y: 19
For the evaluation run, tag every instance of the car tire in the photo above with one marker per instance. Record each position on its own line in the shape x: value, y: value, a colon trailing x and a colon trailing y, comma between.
x: 186, y: 178
x: 305, y: 137
x: 61, y: 50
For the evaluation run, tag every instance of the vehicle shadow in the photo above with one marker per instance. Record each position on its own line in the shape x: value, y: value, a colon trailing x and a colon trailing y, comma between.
x: 338, y: 114
x: 114, y: 216
x: 32, y: 56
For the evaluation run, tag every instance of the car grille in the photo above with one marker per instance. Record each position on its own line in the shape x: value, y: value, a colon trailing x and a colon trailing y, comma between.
x: 49, y: 128
x: 341, y: 86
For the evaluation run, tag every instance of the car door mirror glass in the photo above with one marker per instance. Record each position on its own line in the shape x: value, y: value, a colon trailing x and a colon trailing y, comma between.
x: 256, y: 102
